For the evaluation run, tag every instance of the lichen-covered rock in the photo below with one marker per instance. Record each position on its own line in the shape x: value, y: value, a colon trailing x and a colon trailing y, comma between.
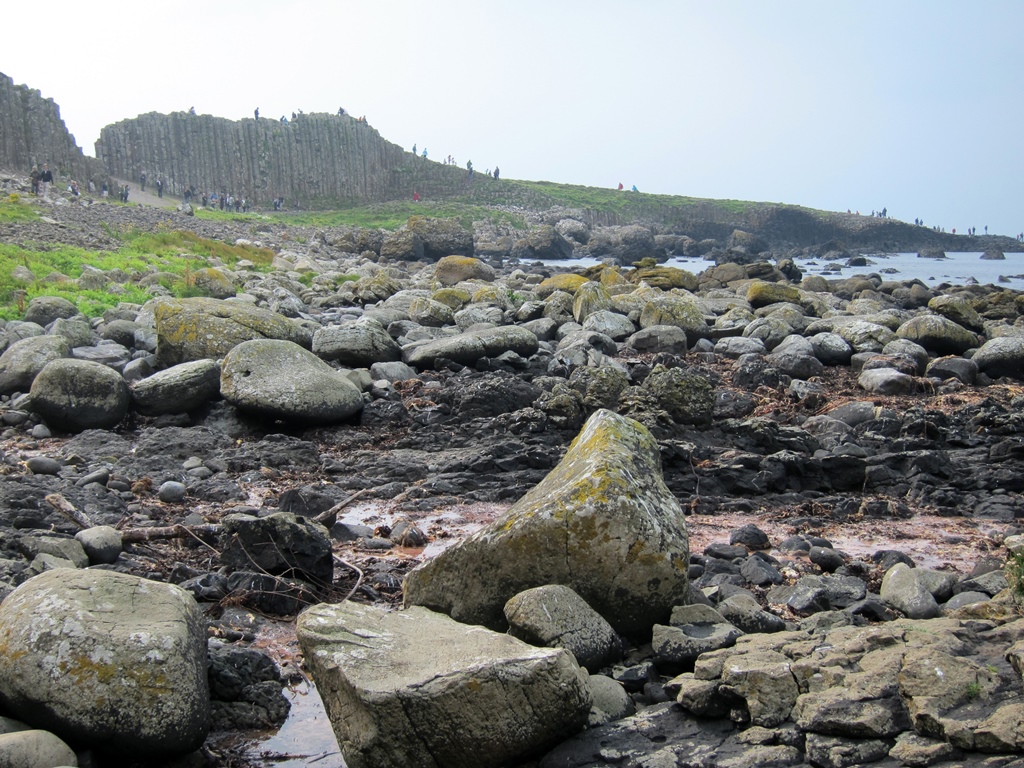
x: 959, y: 311
x: 1001, y: 356
x: 686, y: 396
x: 430, y: 313
x: 665, y: 278
x: 567, y: 282
x: 602, y: 523
x: 441, y: 237
x: 213, y: 282
x: 43, y: 310
x: 178, y: 389
x: 22, y: 361
x: 679, y: 311
x: 468, y: 347
x: 74, y: 395
x: 194, y: 329
x: 281, y: 380
x: 761, y: 293
x: 590, y: 297
x: 544, y: 242
x: 359, y: 344
x: 938, y: 334
x: 467, y: 698
x: 106, y: 660
x: 556, y: 617
x: 452, y: 270
x: 402, y: 245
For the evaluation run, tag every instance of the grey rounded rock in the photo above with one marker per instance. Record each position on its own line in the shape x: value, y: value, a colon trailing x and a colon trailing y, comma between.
x: 178, y: 389
x: 171, y: 492
x: 281, y: 380
x: 102, y: 544
x: 35, y: 748
x: 75, y: 395
x: 131, y: 678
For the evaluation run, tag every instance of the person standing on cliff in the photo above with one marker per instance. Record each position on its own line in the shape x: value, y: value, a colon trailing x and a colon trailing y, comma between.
x: 256, y: 114
x: 495, y: 171
x: 414, y: 149
x: 469, y: 167
x: 34, y: 177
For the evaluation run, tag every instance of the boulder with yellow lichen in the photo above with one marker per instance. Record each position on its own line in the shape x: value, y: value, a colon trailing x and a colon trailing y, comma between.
x: 602, y: 522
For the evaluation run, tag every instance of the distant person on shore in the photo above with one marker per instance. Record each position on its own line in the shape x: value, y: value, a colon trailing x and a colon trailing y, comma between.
x: 34, y: 178
x: 256, y: 114
x: 635, y: 189
x: 341, y: 111
x: 46, y: 177
x: 414, y: 149
x: 142, y: 180
x: 415, y: 197
x: 191, y: 110
x: 495, y: 171
x: 105, y: 192
x: 620, y: 185
x: 469, y: 167
x: 124, y: 193
x: 424, y: 153
x: 160, y: 188
x: 986, y: 230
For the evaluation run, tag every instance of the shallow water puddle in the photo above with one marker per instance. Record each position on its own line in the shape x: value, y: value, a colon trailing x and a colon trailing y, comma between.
x: 306, y: 738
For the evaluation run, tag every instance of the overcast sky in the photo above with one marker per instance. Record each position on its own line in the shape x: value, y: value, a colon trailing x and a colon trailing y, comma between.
x: 911, y: 105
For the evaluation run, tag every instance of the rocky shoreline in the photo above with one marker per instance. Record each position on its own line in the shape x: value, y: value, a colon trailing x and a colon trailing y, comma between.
x: 829, y: 417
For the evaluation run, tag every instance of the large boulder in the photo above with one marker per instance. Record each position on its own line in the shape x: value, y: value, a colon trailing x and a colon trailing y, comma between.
x: 414, y: 688
x: 281, y: 380
x: 682, y: 312
x: 454, y: 269
x: 466, y: 348
x: 402, y: 245
x: 544, y: 242
x: 938, y: 334
x: 441, y: 237
x: 43, y: 310
x: 602, y: 523
x: 358, y: 344
x: 178, y: 389
x: 1001, y: 356
x: 75, y: 395
x: 24, y: 359
x: 106, y: 660
x: 555, y: 616
x: 194, y: 329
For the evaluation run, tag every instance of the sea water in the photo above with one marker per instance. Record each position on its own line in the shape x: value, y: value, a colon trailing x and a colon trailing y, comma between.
x: 958, y: 268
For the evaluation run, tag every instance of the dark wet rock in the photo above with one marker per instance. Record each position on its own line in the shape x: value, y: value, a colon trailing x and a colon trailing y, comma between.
x: 750, y: 536
x: 279, y: 544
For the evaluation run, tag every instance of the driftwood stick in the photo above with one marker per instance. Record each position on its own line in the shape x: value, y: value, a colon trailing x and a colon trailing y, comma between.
x: 132, y: 535
x: 330, y: 517
x: 65, y: 507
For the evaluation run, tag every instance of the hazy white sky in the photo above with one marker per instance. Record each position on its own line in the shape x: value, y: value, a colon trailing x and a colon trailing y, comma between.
x: 912, y: 105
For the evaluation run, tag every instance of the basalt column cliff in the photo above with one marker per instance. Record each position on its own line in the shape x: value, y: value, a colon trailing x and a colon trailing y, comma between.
x: 313, y: 160
x: 32, y: 133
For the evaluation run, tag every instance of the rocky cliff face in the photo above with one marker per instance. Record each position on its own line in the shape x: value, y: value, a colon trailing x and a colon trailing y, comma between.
x: 315, y: 160
x: 32, y: 133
